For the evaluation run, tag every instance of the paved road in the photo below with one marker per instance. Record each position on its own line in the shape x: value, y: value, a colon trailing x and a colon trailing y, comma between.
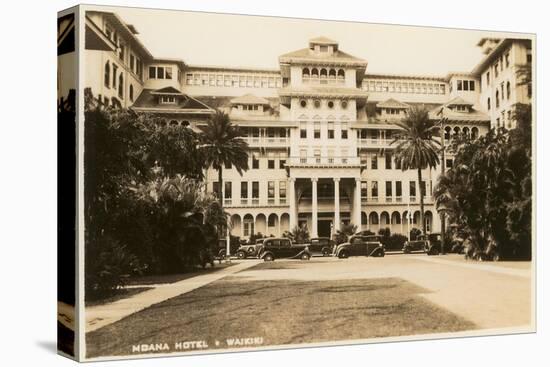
x: 491, y: 295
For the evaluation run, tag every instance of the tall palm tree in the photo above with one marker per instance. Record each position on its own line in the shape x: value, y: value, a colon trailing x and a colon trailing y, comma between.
x: 417, y: 148
x: 223, y: 145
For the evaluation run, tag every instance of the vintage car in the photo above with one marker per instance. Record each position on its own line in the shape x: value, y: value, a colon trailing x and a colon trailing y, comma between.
x: 360, y: 246
x: 430, y: 244
x: 280, y: 248
x: 234, y: 246
x: 321, y: 246
x: 248, y: 250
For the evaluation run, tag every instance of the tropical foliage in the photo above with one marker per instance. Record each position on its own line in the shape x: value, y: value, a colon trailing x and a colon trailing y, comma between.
x: 222, y: 145
x: 416, y: 147
x: 146, y: 209
x: 298, y: 234
x: 487, y: 193
x: 346, y: 230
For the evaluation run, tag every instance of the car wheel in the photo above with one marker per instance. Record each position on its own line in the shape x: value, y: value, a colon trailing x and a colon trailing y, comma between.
x: 434, y: 252
x: 381, y: 254
x: 343, y: 255
x: 305, y: 256
x: 268, y: 257
x: 241, y: 255
x: 496, y: 256
x: 221, y: 254
x: 407, y: 250
x: 325, y: 252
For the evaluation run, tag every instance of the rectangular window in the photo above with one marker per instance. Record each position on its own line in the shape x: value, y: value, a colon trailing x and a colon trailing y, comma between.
x: 244, y: 190
x: 227, y: 193
x: 388, y: 160
x: 317, y: 130
x: 255, y: 162
x: 282, y: 163
x: 132, y: 62
x: 397, y: 163
x: 282, y: 191
x: 303, y: 130
x: 364, y: 189
x: 216, y: 188
x: 160, y: 72
x: 271, y: 164
x: 374, y: 189
x: 255, y: 189
x: 242, y: 81
x: 398, y: 189
x: 412, y: 188
x: 115, y: 68
x: 227, y: 80
x: 227, y: 165
x: 168, y: 73
x: 271, y: 190
x: 459, y: 85
x: 344, y: 132
x: 330, y: 130
x: 472, y: 85
x: 449, y: 163
x: 388, y: 189
x: 374, y: 162
x: 423, y: 188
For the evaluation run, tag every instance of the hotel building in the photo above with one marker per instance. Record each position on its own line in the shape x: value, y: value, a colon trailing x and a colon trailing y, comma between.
x: 319, y: 126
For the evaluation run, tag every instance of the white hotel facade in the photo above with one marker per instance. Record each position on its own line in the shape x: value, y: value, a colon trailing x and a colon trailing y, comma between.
x: 319, y: 126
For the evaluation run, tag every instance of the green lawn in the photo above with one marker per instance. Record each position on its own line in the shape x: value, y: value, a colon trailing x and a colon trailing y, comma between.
x: 281, y: 312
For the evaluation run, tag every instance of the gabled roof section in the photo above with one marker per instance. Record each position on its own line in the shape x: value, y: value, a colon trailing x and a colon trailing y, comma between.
x: 322, y: 40
x: 149, y: 102
x: 305, y: 55
x: 392, y: 103
x: 458, y: 101
x: 166, y: 91
x: 250, y: 99
x: 470, y: 115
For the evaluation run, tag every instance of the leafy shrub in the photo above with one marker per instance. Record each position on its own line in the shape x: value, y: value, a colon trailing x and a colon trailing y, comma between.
x: 107, y: 265
x: 415, y: 232
x: 394, y: 242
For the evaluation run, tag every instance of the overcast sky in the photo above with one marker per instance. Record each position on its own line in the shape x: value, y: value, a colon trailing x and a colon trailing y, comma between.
x: 253, y: 41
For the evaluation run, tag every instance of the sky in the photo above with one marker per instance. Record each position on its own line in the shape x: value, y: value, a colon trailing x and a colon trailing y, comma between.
x: 255, y: 41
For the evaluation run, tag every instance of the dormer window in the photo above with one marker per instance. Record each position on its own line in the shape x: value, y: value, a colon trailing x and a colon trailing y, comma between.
x: 249, y: 107
x: 323, y: 48
x: 167, y: 99
x: 461, y: 108
x: 160, y: 72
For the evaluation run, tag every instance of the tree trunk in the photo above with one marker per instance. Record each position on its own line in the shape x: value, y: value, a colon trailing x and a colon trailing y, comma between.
x: 220, y: 186
x: 421, y: 201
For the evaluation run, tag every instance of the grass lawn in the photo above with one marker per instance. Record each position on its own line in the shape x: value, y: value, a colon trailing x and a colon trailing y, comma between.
x: 119, y: 294
x: 172, y: 278
x: 281, y: 312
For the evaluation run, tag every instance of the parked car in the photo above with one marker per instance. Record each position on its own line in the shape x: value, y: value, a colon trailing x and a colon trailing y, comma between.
x: 321, y: 246
x: 279, y: 248
x: 234, y: 246
x: 248, y: 250
x: 430, y: 244
x: 360, y: 246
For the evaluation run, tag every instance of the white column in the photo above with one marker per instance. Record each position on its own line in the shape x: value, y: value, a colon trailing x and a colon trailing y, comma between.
x: 357, y: 204
x: 336, y: 204
x: 292, y: 204
x: 314, y: 207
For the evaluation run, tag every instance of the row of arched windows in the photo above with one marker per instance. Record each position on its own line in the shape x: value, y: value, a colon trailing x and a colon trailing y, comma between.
x: 500, y: 94
x: 473, y: 133
x: 107, y: 81
x: 323, y: 75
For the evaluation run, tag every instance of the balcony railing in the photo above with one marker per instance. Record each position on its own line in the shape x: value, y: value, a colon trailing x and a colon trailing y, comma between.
x: 324, y: 161
x: 376, y: 143
x: 267, y: 141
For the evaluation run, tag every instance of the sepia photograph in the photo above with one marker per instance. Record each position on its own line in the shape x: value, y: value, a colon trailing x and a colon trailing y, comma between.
x: 253, y: 182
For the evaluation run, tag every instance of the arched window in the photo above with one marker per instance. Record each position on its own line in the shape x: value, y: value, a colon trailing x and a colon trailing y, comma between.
x: 488, y: 104
x: 120, y: 86
x: 131, y: 93
x: 447, y: 132
x: 305, y: 72
x: 497, y: 101
x: 107, y: 76
x: 395, y: 218
x: 332, y: 73
x: 314, y: 73
x: 475, y: 133
x: 373, y: 218
x: 341, y: 74
x: 323, y: 73
x: 174, y: 123
x: 466, y: 131
x: 385, y: 218
x: 456, y: 130
x: 508, y: 90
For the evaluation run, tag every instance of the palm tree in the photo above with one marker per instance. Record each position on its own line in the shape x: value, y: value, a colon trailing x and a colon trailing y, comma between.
x: 417, y: 148
x: 299, y: 234
x: 223, y: 145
